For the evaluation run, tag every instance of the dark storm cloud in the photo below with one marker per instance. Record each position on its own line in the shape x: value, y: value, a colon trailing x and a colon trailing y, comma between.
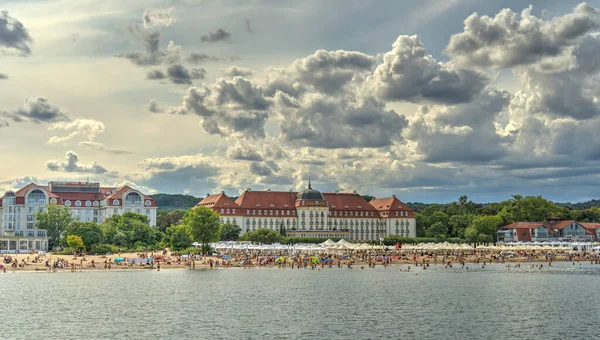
x: 216, y: 36
x: 177, y: 74
x: 180, y: 75
x: 260, y: 169
x: 13, y: 34
x: 38, y: 110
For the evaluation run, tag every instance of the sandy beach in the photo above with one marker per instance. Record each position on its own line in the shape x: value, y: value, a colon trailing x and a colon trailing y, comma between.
x: 157, y: 261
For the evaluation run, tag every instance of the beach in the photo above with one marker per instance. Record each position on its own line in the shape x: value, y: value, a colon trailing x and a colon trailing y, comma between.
x: 48, y: 262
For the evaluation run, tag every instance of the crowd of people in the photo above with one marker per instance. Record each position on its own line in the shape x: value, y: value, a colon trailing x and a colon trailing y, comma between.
x: 291, y: 259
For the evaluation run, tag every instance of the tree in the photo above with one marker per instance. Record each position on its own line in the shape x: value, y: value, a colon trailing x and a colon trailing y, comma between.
x: 55, y: 221
x: 166, y: 219
x: 484, y: 228
x: 204, y: 225
x: 178, y: 237
x: 437, y: 229
x: 230, y: 232
x: 75, y: 242
x: 129, y: 229
x: 262, y: 235
x: 421, y: 222
x: 458, y: 223
x: 89, y: 232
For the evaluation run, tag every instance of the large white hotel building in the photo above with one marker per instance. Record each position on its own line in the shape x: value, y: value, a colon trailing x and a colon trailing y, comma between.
x: 313, y: 214
x: 87, y: 202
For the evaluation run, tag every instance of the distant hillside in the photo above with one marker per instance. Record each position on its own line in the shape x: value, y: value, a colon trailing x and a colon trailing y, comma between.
x: 582, y: 205
x: 170, y: 202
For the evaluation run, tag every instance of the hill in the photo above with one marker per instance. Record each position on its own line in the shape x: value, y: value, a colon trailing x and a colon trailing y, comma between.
x: 170, y: 202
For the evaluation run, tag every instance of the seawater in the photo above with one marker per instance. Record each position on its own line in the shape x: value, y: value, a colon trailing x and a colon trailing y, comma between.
x: 558, y: 302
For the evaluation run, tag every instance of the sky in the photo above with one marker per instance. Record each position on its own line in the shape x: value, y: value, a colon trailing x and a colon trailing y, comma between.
x: 427, y: 100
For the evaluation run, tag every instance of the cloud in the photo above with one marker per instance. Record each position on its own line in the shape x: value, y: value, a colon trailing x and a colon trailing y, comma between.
x: 508, y: 40
x: 463, y: 133
x: 37, y: 110
x: 243, y: 151
x: 409, y: 73
x: 155, y: 107
x: 180, y: 75
x: 216, y: 36
x: 328, y: 72
x: 329, y: 122
x: 13, y: 35
x: 184, y: 173
x: 177, y: 74
x: 149, y: 37
x: 155, y: 75
x: 197, y: 58
x: 260, y: 169
x: 235, y: 71
x: 71, y: 164
x: 3, y: 76
x: 153, y: 18
x: 248, y: 26
x: 86, y: 129
x: 101, y: 147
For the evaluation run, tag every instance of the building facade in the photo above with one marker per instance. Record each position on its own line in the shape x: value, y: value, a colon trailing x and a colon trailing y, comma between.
x: 310, y: 211
x: 551, y: 230
x: 87, y: 202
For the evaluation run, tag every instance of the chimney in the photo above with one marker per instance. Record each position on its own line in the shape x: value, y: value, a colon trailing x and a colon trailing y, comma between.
x: 223, y: 191
x: 207, y: 194
x: 269, y: 190
x: 249, y: 189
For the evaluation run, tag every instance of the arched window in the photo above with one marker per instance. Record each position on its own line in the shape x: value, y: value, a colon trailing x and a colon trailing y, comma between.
x: 116, y: 202
x: 53, y: 200
x: 36, y: 197
x: 67, y: 203
x: 78, y: 203
x: 148, y: 203
x: 88, y: 203
x: 133, y: 198
x: 96, y: 203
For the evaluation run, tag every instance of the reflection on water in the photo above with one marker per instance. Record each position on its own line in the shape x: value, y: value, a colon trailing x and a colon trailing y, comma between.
x: 558, y: 302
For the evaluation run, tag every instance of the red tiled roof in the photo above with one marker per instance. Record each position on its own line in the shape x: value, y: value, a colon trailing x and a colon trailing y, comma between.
x: 218, y: 201
x: 523, y: 225
x: 108, y: 193
x: 559, y: 224
x: 267, y: 200
x: 347, y: 201
x: 590, y: 225
x: 390, y: 204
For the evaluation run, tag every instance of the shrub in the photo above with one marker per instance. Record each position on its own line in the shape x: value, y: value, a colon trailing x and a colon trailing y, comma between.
x: 104, y: 248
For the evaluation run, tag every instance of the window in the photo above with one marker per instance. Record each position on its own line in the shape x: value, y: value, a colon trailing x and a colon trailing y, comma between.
x: 116, y: 202
x: 53, y: 200
x: 147, y: 203
x: 233, y: 211
x: 96, y: 203
x: 116, y: 211
x: 228, y: 211
x: 147, y: 211
x: 67, y: 203
x: 248, y: 212
x: 222, y: 210
x: 78, y: 203
x: 88, y: 203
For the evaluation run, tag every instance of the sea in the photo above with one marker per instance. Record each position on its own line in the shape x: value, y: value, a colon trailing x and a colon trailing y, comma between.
x: 495, y: 302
